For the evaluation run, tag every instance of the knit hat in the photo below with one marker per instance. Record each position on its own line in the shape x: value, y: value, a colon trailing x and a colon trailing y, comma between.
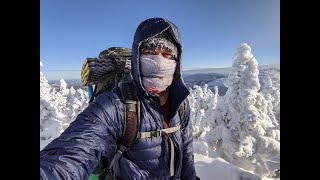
x: 163, y: 41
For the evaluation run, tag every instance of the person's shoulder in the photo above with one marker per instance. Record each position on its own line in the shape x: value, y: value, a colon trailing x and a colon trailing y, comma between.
x: 108, y: 97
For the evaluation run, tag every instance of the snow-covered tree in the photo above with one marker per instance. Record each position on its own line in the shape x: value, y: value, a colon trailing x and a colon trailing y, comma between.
x: 50, y: 121
x: 76, y: 102
x: 202, y: 101
x: 58, y: 108
x: 270, y: 88
x: 241, y: 127
x: 60, y: 100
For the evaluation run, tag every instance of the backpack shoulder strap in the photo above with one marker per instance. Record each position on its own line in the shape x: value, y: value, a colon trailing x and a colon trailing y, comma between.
x: 182, y: 109
x: 181, y: 112
x: 132, y: 110
x: 132, y: 117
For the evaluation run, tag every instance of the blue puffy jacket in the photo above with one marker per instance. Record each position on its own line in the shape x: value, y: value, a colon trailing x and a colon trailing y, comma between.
x: 97, y: 130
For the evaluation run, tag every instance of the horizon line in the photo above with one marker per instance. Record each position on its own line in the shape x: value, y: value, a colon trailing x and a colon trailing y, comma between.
x: 187, y: 69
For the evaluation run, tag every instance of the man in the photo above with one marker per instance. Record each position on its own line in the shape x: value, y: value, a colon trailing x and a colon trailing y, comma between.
x: 156, y: 72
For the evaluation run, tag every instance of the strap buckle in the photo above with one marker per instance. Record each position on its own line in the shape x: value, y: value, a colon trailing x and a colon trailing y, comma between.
x: 155, y: 133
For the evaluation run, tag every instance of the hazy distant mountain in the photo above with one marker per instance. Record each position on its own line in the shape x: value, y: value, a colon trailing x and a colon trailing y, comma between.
x: 216, y: 76
x: 212, y: 79
x: 223, y: 71
x: 76, y: 83
x: 211, y: 76
x: 222, y: 89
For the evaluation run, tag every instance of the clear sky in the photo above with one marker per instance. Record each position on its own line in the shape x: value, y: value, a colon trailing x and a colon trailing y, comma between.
x: 211, y: 30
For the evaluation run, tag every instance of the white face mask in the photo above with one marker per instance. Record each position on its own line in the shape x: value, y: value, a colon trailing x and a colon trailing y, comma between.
x: 157, y: 72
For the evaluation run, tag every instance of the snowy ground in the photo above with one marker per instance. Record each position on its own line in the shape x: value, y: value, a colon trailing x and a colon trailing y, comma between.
x: 218, y: 169
x: 211, y: 166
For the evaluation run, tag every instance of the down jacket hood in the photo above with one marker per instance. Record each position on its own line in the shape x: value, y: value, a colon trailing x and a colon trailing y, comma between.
x: 146, y: 30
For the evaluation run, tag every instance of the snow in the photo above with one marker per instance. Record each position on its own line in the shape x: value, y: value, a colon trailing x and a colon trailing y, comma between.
x: 236, y: 136
x: 217, y: 168
x: 210, y: 166
x: 242, y: 128
x: 58, y: 109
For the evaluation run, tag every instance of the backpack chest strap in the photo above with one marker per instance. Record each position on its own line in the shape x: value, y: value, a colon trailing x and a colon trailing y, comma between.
x: 142, y: 135
x: 161, y: 132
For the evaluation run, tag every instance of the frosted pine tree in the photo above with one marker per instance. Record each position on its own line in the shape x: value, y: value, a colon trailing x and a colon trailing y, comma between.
x: 241, y: 129
x: 60, y: 101
x: 270, y: 88
x: 82, y: 96
x: 202, y: 102
x: 275, y: 77
x: 58, y: 109
x: 69, y: 107
x: 50, y: 124
x: 76, y: 103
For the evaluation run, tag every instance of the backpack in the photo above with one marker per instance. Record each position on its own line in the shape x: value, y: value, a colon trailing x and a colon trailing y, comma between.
x: 103, y: 73
x: 113, y: 69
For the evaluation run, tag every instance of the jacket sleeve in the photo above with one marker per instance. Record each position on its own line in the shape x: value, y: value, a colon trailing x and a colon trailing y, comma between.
x: 188, y: 169
x: 77, y: 151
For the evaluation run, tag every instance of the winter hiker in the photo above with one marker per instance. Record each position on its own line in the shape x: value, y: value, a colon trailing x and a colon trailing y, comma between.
x: 139, y: 126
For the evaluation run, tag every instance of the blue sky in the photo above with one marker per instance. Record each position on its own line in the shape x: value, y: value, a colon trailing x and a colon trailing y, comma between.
x: 211, y: 30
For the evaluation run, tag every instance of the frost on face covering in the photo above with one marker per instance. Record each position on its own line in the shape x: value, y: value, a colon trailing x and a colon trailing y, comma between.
x: 157, y: 72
